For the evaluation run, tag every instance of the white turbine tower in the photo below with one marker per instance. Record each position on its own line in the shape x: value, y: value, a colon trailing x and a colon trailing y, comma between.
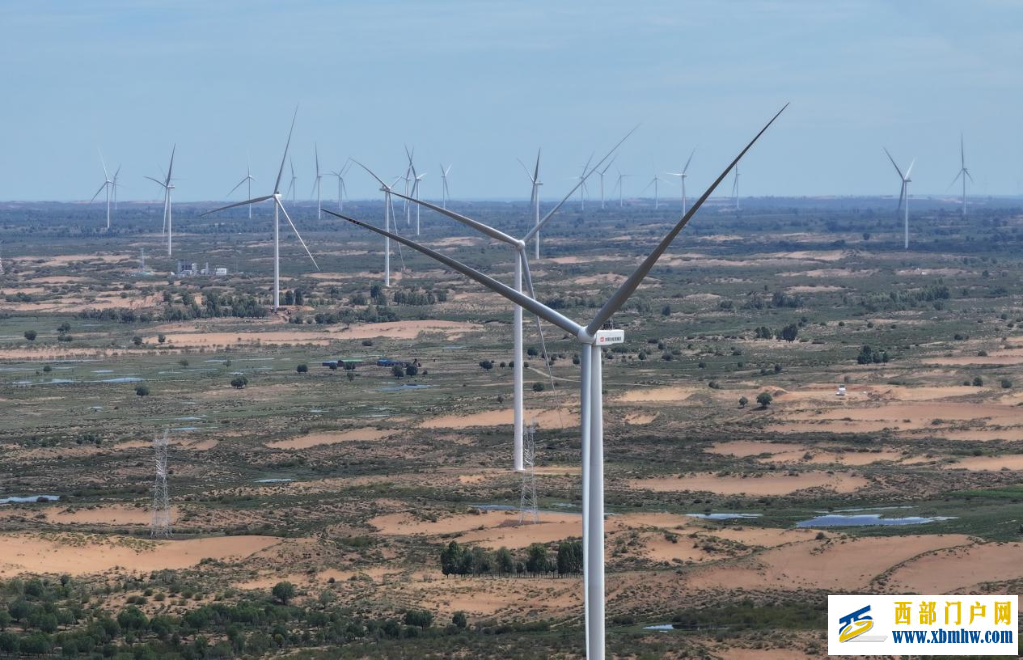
x: 168, y: 216
x: 1, y: 257
x: 278, y: 209
x: 248, y: 179
x: 655, y: 182
x: 388, y: 190
x: 735, y: 188
x: 582, y: 189
x: 445, y: 195
x: 161, y: 526
x: 620, y: 187
x: 534, y: 196
x: 416, y: 179
x: 903, y: 197
x: 963, y: 173
x: 108, y: 185
x: 682, y: 177
x: 592, y: 339
x: 528, y: 508
x: 601, y: 174
x: 342, y: 189
x: 293, y: 186
x: 316, y: 184
x: 521, y: 268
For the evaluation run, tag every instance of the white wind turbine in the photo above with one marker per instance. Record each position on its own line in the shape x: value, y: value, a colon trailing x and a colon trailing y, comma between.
x: 388, y: 190
x: 582, y: 189
x: 655, y: 182
x: 445, y: 196
x: 903, y: 197
x: 278, y: 209
x: 168, y: 216
x: 735, y: 188
x: 620, y: 187
x: 342, y: 189
x: 248, y: 179
x: 682, y: 177
x: 110, y: 185
x: 316, y: 184
x: 592, y: 339
x: 293, y: 186
x: 416, y: 179
x: 601, y: 174
x: 521, y: 267
x: 534, y: 196
x: 963, y: 173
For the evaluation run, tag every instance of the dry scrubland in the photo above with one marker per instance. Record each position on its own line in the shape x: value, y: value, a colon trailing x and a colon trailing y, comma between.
x: 349, y: 484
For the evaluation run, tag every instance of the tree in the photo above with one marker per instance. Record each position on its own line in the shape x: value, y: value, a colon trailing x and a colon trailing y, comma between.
x: 570, y: 557
x: 460, y: 620
x: 411, y: 370
x: 302, y: 368
x: 451, y: 559
x: 398, y: 371
x: 743, y: 402
x: 764, y: 399
x: 789, y: 332
x: 536, y: 561
x: 538, y: 387
x: 30, y: 335
x: 132, y: 618
x: 239, y: 382
x: 419, y: 618
x: 666, y: 310
x: 505, y: 561
x: 283, y: 591
x: 161, y: 338
x: 137, y: 340
x: 487, y: 365
x: 141, y: 390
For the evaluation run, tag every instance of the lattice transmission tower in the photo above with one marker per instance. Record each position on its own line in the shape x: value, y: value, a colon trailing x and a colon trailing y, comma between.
x: 528, y: 510
x: 161, y: 501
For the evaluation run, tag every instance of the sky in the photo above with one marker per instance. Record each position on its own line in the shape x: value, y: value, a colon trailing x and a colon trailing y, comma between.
x: 479, y: 84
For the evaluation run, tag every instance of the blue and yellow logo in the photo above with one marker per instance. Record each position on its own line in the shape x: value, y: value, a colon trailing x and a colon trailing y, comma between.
x: 853, y: 625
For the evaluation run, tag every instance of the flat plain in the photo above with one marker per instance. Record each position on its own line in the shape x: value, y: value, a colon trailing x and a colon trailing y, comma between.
x: 728, y: 517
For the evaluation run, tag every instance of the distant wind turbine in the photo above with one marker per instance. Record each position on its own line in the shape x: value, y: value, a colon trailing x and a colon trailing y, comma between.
x: 248, y: 179
x: 278, y: 209
x: 168, y: 216
x: 655, y: 182
x: 903, y: 196
x: 621, y: 187
x: 342, y: 189
x: 963, y: 173
x: 293, y: 187
x: 316, y: 183
x: 592, y: 339
x: 735, y: 188
x: 388, y: 190
x: 109, y: 186
x: 416, y: 180
x: 444, y: 194
x: 534, y: 196
x: 601, y: 174
x: 682, y: 177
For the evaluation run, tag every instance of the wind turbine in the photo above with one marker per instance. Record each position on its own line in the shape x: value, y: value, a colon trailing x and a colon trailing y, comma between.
x: 292, y: 187
x: 316, y: 184
x: 341, y: 188
x: 168, y: 217
x: 682, y: 177
x: 601, y: 174
x: 278, y: 209
x: 444, y: 184
x: 655, y: 182
x: 592, y: 339
x: 534, y: 196
x: 248, y: 179
x: 903, y: 196
x: 963, y: 173
x: 416, y: 179
x: 582, y: 189
x: 108, y: 185
x: 735, y: 188
x: 388, y: 190
x: 620, y: 187
x: 521, y: 264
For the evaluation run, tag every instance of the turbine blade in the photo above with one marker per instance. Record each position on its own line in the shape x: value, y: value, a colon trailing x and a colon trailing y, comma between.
x: 969, y: 175
x: 686, y: 168
x: 156, y: 181
x: 630, y: 285
x: 386, y: 187
x: 902, y: 196
x: 582, y: 180
x: 98, y: 192
x: 525, y: 169
x: 280, y: 172
x: 255, y: 200
x: 539, y: 327
x: 238, y: 186
x: 295, y: 229
x: 522, y: 300
x: 893, y: 163
x: 171, y: 168
x: 910, y: 168
x: 955, y: 179
x: 469, y: 222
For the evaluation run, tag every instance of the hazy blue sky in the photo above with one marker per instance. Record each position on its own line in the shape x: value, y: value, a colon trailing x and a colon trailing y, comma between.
x: 477, y: 84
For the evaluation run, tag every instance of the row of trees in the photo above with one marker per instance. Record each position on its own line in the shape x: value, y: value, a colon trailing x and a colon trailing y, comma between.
x: 457, y: 559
